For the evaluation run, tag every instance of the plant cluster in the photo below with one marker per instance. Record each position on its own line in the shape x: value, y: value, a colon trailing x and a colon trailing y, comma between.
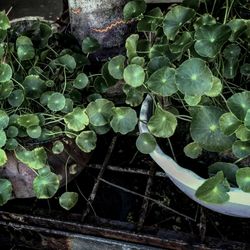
x: 193, y: 60
x: 47, y: 94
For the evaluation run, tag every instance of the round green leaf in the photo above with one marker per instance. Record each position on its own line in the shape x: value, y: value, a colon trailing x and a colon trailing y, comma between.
x: 247, y: 119
x: 25, y: 50
x: 229, y: 123
x: 5, y: 89
x: 151, y: 21
x: 193, y: 150
x: 205, y: 19
x: 4, y: 21
x: 5, y: 72
x: 76, y: 120
x: 163, y: 82
x: 210, y: 39
x: 34, y: 86
x: 5, y: 191
x: 205, y: 129
x: 192, y: 100
x: 158, y: 62
x: 35, y: 159
x: 90, y: 45
x: 3, y: 138
x: 34, y: 131
x: 11, y: 144
x: 241, y: 149
x: 99, y: 112
x: 175, y: 19
x: 131, y: 46
x: 229, y: 170
x: 214, y: 190
x: 86, y: 141
x: 28, y: 120
x: 162, y: 123
x: 3, y: 157
x: 68, y: 62
x: 134, y: 75
x: 146, y: 143
x: 194, y: 78
x: 124, y: 120
x: 16, y: 98
x: 245, y: 69
x: 116, y: 67
x: 45, y: 186
x: 4, y: 119
x: 182, y: 43
x: 134, y: 9
x: 243, y: 179
x: 243, y: 133
x: 216, y: 88
x: 238, y: 26
x: 134, y: 96
x: 56, y: 102
x: 81, y: 81
x: 12, y: 132
x: 239, y: 104
x: 68, y: 200
x: 69, y: 106
x: 58, y: 147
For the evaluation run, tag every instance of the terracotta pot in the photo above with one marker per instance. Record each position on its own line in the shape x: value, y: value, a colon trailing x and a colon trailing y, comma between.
x: 187, y: 181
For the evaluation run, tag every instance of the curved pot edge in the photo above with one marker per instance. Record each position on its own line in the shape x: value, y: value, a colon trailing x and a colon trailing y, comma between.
x: 188, y: 182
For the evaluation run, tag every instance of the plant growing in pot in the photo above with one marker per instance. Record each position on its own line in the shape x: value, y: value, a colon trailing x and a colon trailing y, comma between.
x: 51, y: 110
x: 193, y: 62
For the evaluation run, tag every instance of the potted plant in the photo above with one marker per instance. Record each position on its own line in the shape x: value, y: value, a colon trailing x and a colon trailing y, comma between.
x: 51, y: 111
x: 193, y: 63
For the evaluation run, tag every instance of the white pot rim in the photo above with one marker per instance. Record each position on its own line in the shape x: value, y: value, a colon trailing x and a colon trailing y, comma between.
x: 187, y: 181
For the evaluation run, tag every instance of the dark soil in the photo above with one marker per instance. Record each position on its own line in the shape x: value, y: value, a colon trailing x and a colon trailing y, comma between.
x: 115, y: 204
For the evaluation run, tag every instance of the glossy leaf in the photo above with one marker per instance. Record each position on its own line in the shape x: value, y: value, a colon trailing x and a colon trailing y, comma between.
x: 214, y: 190
x: 134, y: 9
x: 5, y: 191
x: 193, y: 150
x: 162, y: 123
x: 243, y: 133
x: 131, y: 45
x: 99, y: 112
x: 5, y: 72
x: 56, y: 102
x: 90, y: 45
x: 35, y: 159
x: 86, y: 141
x: 216, y: 88
x: 163, y: 82
x: 134, y: 75
x: 4, y: 21
x: 243, y: 179
x: 239, y: 104
x: 124, y: 120
x: 76, y: 120
x: 134, y: 96
x: 210, y: 39
x: 194, y: 78
x: 146, y: 143
x: 4, y: 119
x: 3, y: 157
x: 205, y: 129
x: 58, y: 147
x: 116, y: 67
x: 68, y: 200
x: 34, y: 86
x: 45, y: 186
x: 229, y: 123
x: 229, y: 170
x: 175, y: 19
x: 238, y: 26
x: 81, y: 81
x: 5, y: 89
x: 241, y: 149
x: 28, y: 120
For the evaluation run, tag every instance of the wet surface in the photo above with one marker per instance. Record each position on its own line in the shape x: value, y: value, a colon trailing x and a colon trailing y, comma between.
x: 49, y: 9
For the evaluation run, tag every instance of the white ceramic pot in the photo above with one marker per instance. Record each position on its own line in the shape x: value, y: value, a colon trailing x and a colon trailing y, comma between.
x: 188, y: 182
